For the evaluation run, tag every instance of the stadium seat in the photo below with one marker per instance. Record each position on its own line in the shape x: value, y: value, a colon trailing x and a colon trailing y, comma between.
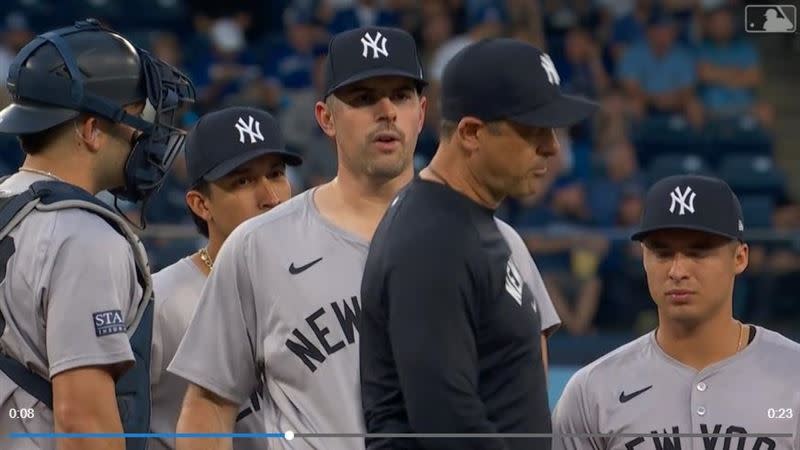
x: 751, y: 174
x: 664, y: 135
x: 734, y: 137
x: 757, y: 210
x: 675, y: 164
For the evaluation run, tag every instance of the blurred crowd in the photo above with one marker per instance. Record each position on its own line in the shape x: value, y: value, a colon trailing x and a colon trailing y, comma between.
x: 678, y: 81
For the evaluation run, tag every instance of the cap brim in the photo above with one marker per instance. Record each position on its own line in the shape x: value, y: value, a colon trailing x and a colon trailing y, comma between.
x: 377, y: 73
x: 230, y: 165
x: 641, y: 234
x: 563, y: 111
x: 19, y: 118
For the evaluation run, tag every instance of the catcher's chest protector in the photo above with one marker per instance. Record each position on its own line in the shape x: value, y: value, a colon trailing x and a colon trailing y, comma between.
x: 133, y: 388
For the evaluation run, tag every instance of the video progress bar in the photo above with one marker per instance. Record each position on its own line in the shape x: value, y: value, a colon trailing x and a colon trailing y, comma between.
x: 290, y: 435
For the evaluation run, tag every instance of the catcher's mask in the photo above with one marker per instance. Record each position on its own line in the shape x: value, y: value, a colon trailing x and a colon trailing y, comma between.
x: 88, y: 68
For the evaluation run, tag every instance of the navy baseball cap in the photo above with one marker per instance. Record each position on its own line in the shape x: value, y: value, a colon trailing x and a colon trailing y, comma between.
x: 368, y: 52
x: 225, y: 139
x: 508, y: 79
x: 692, y: 202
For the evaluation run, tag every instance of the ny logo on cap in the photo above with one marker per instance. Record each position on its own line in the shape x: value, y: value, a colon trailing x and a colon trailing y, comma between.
x: 550, y: 68
x: 368, y: 42
x: 679, y: 199
x: 252, y: 128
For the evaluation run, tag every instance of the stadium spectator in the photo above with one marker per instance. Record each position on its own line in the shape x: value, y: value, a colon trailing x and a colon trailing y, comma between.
x: 729, y: 71
x: 483, y: 22
x: 225, y: 65
x: 363, y: 13
x: 629, y: 28
x: 620, y: 173
x: 565, y: 252
x: 658, y: 74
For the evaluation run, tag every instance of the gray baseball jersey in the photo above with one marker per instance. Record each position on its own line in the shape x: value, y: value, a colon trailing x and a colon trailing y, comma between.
x: 640, y: 389
x: 283, y: 301
x: 177, y: 290
x: 70, y: 271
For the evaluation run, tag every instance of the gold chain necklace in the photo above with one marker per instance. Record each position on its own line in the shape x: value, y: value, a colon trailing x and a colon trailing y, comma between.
x: 40, y: 172
x: 742, y: 334
x: 206, y: 258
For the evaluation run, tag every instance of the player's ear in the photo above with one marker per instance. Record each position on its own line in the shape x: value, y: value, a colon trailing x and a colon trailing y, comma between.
x: 467, y: 131
x: 87, y: 131
x: 423, y: 110
x: 198, y: 203
x: 741, y: 257
x: 323, y: 111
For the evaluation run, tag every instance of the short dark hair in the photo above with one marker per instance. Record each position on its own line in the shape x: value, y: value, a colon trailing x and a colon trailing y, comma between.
x: 200, y: 224
x: 447, y: 128
x: 35, y: 143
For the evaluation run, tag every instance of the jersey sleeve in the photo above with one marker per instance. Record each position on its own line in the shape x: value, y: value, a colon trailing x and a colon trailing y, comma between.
x: 432, y: 293
x: 574, y: 414
x: 549, y: 317
x: 88, y: 295
x: 217, y: 351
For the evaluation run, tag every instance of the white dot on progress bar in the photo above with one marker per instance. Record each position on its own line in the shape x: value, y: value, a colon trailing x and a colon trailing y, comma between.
x: 289, y: 435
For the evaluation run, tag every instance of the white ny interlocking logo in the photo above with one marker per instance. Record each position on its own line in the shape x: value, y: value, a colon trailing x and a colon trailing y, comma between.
x: 550, y: 68
x: 679, y: 199
x: 252, y: 127
x: 369, y: 42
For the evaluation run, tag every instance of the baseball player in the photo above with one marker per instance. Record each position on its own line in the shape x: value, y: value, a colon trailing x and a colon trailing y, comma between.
x: 236, y: 162
x: 92, y: 113
x: 701, y: 370
x: 286, y: 283
x: 451, y: 304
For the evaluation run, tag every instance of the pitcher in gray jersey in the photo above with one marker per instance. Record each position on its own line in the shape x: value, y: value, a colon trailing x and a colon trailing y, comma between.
x: 286, y: 283
x: 701, y: 370
x: 236, y: 161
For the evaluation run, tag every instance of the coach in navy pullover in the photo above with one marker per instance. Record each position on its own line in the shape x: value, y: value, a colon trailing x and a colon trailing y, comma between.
x: 449, y: 329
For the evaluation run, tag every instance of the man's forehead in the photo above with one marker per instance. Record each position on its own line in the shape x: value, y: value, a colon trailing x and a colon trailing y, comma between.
x: 380, y: 83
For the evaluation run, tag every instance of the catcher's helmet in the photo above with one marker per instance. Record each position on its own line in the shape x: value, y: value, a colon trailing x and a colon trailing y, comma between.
x: 91, y: 69
x: 44, y: 95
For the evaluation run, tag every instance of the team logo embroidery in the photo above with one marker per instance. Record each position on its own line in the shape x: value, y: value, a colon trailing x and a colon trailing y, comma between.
x: 679, y: 199
x: 550, y: 68
x: 377, y: 44
x: 513, y: 281
x: 252, y: 128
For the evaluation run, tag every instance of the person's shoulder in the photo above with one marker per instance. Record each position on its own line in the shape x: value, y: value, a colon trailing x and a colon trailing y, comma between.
x: 282, y: 221
x: 173, y: 276
x: 778, y: 344
x: 624, y: 359
x: 86, y: 229
x: 509, y: 232
x: 427, y: 211
x: 422, y: 221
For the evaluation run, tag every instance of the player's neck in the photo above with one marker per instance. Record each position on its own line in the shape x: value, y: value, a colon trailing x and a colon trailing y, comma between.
x: 701, y: 345
x: 66, y: 169
x: 356, y: 203
x: 446, y: 168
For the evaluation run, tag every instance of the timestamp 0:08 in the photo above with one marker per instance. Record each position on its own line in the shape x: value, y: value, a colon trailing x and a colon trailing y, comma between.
x: 21, y: 413
x: 780, y: 413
